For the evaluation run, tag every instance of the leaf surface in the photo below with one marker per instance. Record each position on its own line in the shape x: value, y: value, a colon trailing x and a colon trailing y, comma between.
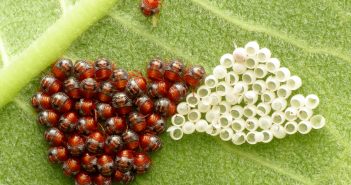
x: 311, y: 38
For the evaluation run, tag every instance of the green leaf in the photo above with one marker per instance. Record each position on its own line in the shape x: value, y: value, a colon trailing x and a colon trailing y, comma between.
x: 49, y: 46
x: 312, y: 39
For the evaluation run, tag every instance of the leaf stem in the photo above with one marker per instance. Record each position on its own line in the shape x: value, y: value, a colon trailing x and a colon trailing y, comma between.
x: 49, y: 46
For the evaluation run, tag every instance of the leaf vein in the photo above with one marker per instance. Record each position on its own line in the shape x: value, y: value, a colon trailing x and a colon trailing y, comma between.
x: 157, y: 40
x: 66, y: 5
x: 4, y: 56
x: 249, y: 26
x: 25, y: 107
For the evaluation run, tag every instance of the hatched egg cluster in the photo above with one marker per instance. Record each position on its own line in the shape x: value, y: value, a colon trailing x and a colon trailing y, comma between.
x: 249, y: 98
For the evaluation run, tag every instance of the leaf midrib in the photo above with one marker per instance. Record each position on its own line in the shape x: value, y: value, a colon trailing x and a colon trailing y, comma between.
x: 49, y: 45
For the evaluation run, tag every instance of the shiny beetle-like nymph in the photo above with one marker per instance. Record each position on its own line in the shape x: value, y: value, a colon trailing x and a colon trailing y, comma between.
x: 193, y: 76
x: 83, y: 70
x: 113, y: 144
x: 71, y: 167
x: 103, y: 69
x: 72, y: 89
x: 87, y: 125
x: 136, y: 86
x: 119, y: 78
x: 61, y: 102
x: 144, y: 104
x: 105, y: 92
x: 68, y: 122
x: 95, y: 142
x: 41, y: 101
x: 155, y: 123
x: 54, y: 136
x: 122, y: 103
x: 130, y: 139
x: 137, y: 121
x: 50, y: 85
x: 63, y: 68
x: 174, y: 71
x: 75, y: 145
x: 155, y: 70
x: 124, y: 160
x: 105, y: 165
x: 158, y: 89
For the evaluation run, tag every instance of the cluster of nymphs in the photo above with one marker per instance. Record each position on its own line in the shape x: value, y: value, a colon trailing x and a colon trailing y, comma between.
x: 248, y: 98
x: 102, y: 121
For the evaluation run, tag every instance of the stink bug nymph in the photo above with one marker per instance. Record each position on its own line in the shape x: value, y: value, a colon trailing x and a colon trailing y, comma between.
x: 89, y: 162
x: 122, y: 103
x: 124, y: 160
x: 155, y: 70
x: 63, y: 68
x: 75, y: 145
x: 115, y: 125
x: 119, y: 79
x: 68, y: 122
x: 41, y: 101
x: 95, y: 142
x: 83, y: 70
x: 136, y: 86
x: 150, y: 142
x: 103, y: 69
x: 144, y: 104
x: 83, y: 179
x: 174, y: 71
x: 54, y: 136
x: 48, y: 117
x: 113, y: 144
x: 137, y: 121
x: 141, y: 162
x: 57, y: 154
x: 61, y: 102
x: 130, y: 139
x: 105, y: 92
x: 88, y: 87
x: 105, y: 165
x: 194, y: 76
x: 50, y: 85
x: 71, y: 167
x: 71, y: 86
x: 158, y: 89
